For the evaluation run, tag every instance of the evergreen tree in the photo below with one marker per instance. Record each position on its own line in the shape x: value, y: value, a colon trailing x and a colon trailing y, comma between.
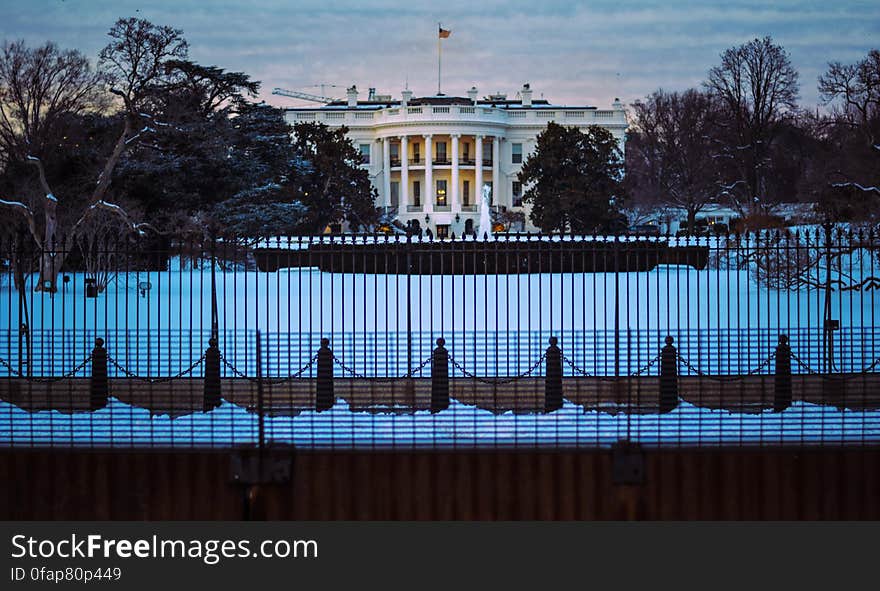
x: 329, y: 180
x: 574, y: 180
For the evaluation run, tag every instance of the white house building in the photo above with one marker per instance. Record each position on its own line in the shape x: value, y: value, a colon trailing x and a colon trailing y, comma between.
x: 429, y: 156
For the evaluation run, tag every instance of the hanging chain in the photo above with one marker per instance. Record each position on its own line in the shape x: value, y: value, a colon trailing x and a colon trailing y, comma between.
x: 806, y: 367
x: 587, y: 374
x: 691, y: 367
x: 271, y: 381
x: 298, y: 373
x: 499, y: 381
x: 647, y: 366
x: 359, y: 376
x: 130, y: 374
x: 46, y: 380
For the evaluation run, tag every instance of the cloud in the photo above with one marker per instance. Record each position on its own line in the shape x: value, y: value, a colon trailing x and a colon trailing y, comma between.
x: 574, y: 53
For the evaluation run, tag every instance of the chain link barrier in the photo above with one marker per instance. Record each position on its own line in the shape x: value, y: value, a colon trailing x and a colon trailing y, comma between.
x: 419, y: 368
x: 130, y: 374
x: 498, y: 381
x: 45, y: 380
x: 270, y: 381
x: 405, y: 376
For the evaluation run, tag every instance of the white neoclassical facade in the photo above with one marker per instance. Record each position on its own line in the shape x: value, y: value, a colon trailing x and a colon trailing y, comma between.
x: 429, y: 156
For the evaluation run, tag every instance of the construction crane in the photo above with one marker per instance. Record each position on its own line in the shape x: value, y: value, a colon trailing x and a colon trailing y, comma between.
x: 315, y: 98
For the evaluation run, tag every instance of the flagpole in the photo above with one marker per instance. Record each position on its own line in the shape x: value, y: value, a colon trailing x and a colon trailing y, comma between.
x: 439, y: 54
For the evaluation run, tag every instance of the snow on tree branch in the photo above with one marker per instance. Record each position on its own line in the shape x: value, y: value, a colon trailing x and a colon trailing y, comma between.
x: 857, y: 186
x: 17, y: 204
x: 119, y: 211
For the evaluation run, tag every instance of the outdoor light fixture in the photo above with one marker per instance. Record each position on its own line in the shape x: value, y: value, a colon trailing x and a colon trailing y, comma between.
x: 427, y: 219
x: 457, y: 218
x: 144, y: 287
x: 91, y: 287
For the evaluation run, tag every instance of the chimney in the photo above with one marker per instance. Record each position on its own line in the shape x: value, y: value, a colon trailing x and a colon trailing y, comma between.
x: 353, y: 96
x: 472, y: 94
x: 526, y: 95
x: 407, y: 95
x: 617, y: 105
x: 371, y: 96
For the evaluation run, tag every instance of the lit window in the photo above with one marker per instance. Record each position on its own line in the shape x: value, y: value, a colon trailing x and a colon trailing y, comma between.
x: 365, y: 153
x: 517, y: 153
x: 442, y: 230
x: 441, y: 192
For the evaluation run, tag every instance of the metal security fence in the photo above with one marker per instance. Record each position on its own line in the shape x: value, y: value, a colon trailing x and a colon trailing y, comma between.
x: 381, y: 342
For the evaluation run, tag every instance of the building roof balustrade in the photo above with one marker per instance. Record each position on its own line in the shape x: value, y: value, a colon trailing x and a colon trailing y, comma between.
x: 459, y: 113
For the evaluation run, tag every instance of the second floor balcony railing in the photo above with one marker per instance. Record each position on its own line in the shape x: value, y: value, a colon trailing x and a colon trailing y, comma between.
x: 416, y: 161
x: 466, y: 161
x: 441, y: 161
x: 395, y: 161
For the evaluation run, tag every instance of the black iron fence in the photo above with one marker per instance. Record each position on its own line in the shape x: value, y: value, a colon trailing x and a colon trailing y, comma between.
x: 386, y: 341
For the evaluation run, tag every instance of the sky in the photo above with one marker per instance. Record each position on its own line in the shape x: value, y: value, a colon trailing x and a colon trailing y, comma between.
x: 572, y: 53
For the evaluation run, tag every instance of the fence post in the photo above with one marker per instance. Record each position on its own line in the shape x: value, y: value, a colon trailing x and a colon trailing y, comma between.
x: 782, y: 385
x: 668, y: 376
x: 553, y: 377
x: 440, y: 377
x: 98, y: 389
x: 324, y: 398
x: 211, y: 398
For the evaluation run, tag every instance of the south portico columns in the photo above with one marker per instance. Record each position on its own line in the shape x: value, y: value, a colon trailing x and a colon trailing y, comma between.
x: 404, y: 170
x: 454, y: 200
x: 386, y: 171
x: 496, y: 170
x: 429, y: 175
x: 478, y: 170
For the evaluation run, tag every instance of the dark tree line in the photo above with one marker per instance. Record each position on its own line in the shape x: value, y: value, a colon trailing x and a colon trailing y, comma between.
x: 742, y: 140
x: 148, y: 145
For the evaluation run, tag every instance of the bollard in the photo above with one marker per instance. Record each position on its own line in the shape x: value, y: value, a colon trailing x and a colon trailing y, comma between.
x: 324, y: 398
x: 782, y: 381
x: 440, y: 377
x: 98, y: 390
x: 211, y: 397
x: 553, y: 377
x: 668, y: 377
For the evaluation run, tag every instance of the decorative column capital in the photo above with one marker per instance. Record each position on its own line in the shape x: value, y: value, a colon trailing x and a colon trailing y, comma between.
x: 455, y: 135
x: 402, y: 137
x: 427, y: 136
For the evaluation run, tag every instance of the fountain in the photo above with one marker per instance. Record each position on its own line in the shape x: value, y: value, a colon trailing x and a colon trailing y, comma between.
x: 484, y: 231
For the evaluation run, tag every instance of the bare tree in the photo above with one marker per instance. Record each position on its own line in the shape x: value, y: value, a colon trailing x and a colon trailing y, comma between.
x: 675, y: 150
x: 38, y: 88
x: 758, y: 88
x: 44, y: 84
x: 853, y: 90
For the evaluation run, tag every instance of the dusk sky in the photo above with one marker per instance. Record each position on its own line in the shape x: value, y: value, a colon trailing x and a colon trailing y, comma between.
x: 573, y: 53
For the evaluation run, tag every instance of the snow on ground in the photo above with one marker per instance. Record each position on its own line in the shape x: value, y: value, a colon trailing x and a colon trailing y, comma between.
x: 383, y: 325
x: 121, y: 425
x: 724, y: 321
